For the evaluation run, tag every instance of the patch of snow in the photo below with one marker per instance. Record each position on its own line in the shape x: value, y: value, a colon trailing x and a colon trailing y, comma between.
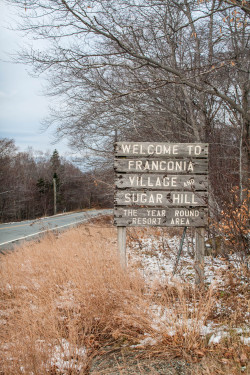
x: 148, y: 341
x: 245, y: 340
x: 155, y: 257
x: 66, y: 356
x: 216, y: 337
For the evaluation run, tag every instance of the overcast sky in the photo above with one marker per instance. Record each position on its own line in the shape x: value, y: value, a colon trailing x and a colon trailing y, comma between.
x: 22, y: 104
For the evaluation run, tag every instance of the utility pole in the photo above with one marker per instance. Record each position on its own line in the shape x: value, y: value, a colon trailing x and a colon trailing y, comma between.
x: 54, y: 188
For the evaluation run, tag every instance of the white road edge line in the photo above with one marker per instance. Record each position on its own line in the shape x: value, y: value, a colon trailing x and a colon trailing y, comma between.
x: 43, y: 231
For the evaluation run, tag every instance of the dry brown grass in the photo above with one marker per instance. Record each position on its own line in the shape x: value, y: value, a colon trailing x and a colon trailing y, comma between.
x: 67, y: 292
x: 69, y: 287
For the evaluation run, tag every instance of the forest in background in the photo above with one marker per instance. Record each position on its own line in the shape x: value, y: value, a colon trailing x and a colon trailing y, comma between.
x: 151, y: 70
x: 26, y: 180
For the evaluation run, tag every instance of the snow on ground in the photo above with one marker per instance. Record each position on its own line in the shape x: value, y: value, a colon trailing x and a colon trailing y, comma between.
x: 156, y: 257
x: 157, y: 260
x: 66, y: 356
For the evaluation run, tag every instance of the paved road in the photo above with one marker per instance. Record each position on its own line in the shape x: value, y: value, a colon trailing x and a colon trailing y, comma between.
x: 12, y: 232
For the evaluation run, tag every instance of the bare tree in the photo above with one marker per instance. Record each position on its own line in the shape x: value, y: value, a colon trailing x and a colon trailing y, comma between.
x: 124, y: 63
x: 27, y: 190
x: 152, y: 69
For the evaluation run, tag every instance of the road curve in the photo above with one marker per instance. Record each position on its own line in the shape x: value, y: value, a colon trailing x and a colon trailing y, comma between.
x: 11, y: 233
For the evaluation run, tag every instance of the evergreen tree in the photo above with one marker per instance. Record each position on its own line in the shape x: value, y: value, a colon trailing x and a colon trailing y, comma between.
x: 55, y: 164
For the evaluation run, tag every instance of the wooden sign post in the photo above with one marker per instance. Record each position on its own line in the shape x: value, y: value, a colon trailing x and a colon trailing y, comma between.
x: 121, y: 239
x: 162, y: 184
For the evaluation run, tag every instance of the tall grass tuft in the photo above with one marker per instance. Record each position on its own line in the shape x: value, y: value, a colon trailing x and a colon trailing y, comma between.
x: 65, y: 299
x: 67, y: 290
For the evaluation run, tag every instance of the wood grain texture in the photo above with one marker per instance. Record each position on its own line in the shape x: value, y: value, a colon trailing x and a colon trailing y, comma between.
x: 121, y: 242
x: 199, y: 256
x: 159, y: 149
x: 173, y: 166
x: 161, y: 182
x: 196, y: 217
x: 160, y: 198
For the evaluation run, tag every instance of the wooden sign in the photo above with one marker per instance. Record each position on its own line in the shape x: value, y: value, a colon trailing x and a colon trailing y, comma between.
x: 160, y: 198
x: 161, y: 184
x: 161, y: 217
x: 161, y: 181
x: 155, y: 149
x: 180, y: 166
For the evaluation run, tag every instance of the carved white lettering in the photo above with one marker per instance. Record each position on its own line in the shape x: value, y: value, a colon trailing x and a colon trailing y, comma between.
x: 125, y: 148
x: 149, y: 182
x: 190, y: 167
x: 197, y: 150
x: 161, y: 165
x: 142, y: 183
x: 146, y: 221
x: 183, y: 198
x: 146, y: 167
x: 178, y: 166
x: 167, y: 149
x: 160, y: 213
x: 131, y: 180
x: 170, y: 165
x: 190, y: 147
x: 159, y: 149
x: 193, y: 199
x: 158, y: 182
x: 176, y: 198
x: 127, y: 198
x: 130, y: 164
x: 141, y: 150
x: 180, y: 221
x: 158, y: 198
x: 173, y: 181
x: 187, y: 213
x: 150, y: 149
x: 175, y: 150
x: 143, y: 198
x: 138, y: 164
x: 135, y: 149
x: 151, y: 199
x: 155, y: 165
x: 130, y: 212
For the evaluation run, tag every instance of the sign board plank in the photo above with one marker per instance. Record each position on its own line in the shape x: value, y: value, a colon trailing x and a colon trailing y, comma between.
x: 160, y: 149
x: 176, y: 217
x: 174, y: 166
x: 161, y: 182
x: 160, y: 198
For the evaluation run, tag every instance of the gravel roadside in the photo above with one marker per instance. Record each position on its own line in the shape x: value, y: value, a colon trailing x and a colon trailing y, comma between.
x: 135, y: 363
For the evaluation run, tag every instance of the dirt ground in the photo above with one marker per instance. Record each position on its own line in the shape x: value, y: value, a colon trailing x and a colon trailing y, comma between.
x: 121, y: 362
